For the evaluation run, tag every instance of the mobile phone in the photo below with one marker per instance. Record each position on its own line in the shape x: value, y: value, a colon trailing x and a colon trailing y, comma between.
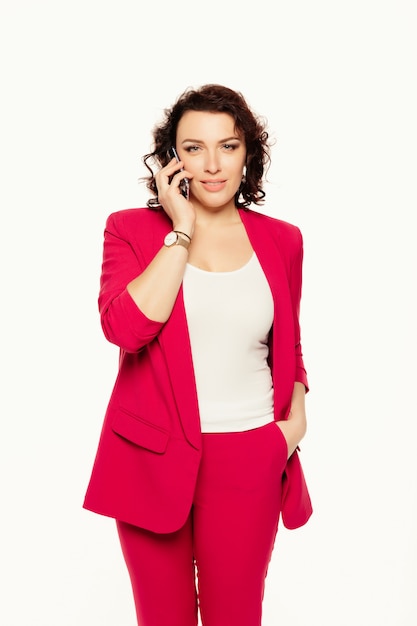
x: 185, y: 183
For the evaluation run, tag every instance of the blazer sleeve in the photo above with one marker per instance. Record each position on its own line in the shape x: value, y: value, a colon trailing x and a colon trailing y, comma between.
x: 296, y: 271
x: 123, y: 323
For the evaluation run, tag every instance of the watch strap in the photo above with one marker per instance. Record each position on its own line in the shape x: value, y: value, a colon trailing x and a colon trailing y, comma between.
x: 181, y: 239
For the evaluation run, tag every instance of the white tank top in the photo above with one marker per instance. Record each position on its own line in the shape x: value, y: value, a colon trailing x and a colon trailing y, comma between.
x: 229, y: 317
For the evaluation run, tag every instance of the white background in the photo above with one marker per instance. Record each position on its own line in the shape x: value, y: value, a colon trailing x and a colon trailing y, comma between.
x: 82, y: 83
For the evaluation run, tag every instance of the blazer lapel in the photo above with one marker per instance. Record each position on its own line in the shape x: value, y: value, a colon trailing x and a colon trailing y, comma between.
x: 267, y: 249
x: 175, y: 340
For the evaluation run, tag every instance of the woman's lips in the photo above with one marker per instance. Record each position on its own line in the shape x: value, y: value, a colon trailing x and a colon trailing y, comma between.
x: 213, y: 185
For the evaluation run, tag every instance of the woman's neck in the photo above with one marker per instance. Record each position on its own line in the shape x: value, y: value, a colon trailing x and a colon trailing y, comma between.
x: 214, y: 217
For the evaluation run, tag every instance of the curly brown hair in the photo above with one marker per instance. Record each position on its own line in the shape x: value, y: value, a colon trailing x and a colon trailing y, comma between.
x: 216, y: 99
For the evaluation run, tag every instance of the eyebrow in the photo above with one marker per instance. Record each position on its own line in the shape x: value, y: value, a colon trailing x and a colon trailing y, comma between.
x: 233, y: 138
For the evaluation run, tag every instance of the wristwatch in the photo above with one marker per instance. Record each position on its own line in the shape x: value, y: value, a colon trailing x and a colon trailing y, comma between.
x: 175, y: 238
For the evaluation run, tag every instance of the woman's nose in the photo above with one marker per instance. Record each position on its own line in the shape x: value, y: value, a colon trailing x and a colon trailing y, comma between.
x: 212, y: 164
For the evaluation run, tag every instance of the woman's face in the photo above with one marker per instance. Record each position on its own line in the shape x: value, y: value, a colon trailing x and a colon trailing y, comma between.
x: 214, y: 153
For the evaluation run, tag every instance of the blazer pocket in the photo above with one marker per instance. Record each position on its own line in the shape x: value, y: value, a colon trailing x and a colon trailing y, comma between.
x: 139, y: 431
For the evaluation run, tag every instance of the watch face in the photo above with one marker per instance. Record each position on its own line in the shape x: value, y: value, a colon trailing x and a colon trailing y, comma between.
x: 170, y: 239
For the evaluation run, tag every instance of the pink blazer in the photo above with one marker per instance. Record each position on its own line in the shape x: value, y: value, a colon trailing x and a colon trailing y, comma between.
x: 149, y: 451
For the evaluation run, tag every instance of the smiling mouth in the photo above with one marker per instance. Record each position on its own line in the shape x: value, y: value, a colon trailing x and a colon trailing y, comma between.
x: 213, y: 186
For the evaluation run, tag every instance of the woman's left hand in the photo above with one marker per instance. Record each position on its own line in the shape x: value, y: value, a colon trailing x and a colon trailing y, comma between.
x: 295, y: 426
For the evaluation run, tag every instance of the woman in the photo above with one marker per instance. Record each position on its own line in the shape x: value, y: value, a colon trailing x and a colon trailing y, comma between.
x: 197, y: 457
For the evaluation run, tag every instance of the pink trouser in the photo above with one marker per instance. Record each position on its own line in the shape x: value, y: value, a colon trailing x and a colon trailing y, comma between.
x: 228, y: 538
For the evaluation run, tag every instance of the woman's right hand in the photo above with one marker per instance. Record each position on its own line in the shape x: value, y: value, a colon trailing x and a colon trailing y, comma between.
x: 156, y: 288
x: 178, y: 208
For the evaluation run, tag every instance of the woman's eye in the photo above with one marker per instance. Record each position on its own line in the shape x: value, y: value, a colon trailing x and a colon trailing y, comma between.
x: 191, y: 148
x: 229, y: 146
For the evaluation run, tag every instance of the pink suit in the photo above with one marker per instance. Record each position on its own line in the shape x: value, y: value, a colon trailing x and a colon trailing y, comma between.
x: 149, y: 453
